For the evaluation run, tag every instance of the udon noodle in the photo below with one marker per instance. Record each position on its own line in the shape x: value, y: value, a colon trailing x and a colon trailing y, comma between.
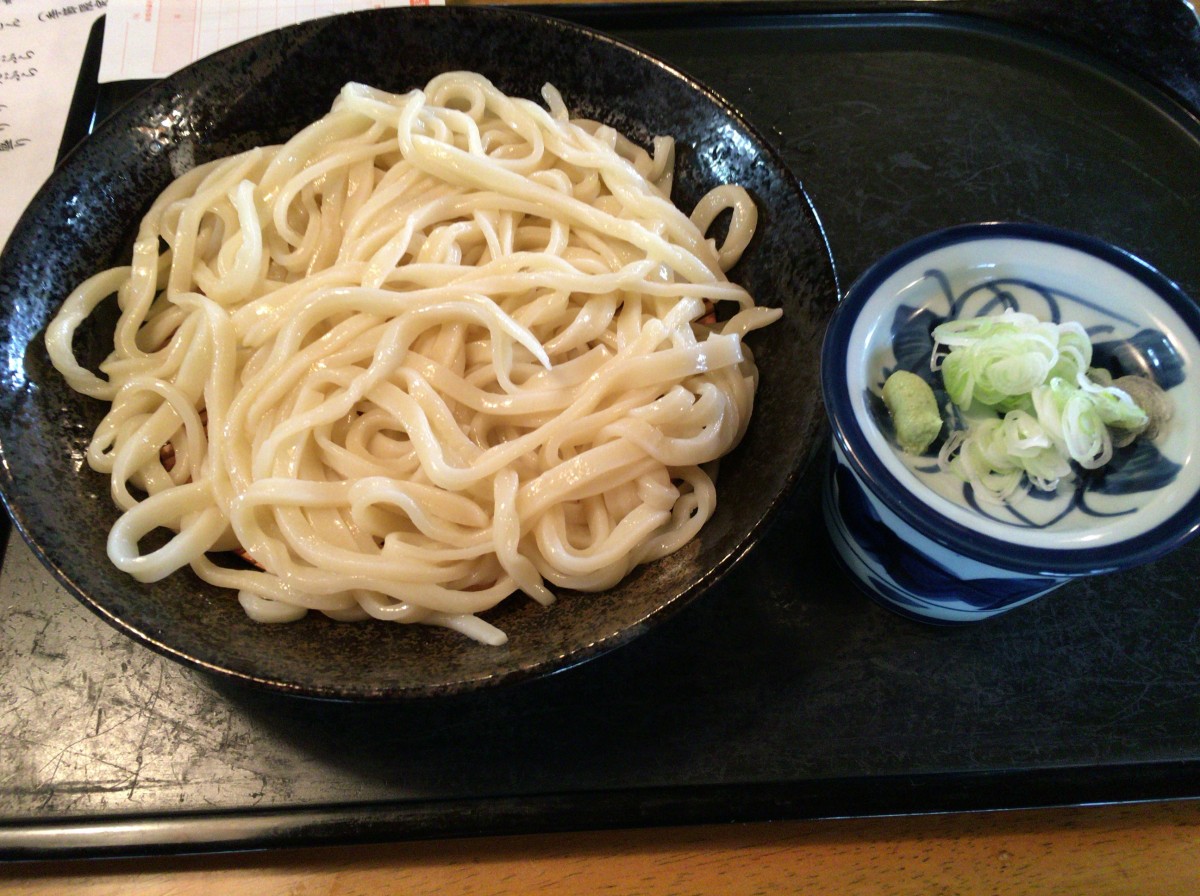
x: 437, y: 348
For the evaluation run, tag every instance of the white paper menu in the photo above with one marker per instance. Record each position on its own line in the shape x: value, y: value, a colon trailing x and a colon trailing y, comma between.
x: 41, y: 48
x: 153, y: 38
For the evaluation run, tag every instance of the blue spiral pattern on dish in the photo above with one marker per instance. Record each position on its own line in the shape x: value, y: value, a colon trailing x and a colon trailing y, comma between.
x: 1138, y: 467
x: 891, y: 570
x: 912, y: 572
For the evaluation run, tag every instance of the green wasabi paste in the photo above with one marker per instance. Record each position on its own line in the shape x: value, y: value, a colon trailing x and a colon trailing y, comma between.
x: 914, y: 411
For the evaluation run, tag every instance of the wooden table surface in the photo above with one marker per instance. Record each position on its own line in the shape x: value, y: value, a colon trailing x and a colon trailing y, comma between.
x: 1147, y: 849
x: 1150, y: 849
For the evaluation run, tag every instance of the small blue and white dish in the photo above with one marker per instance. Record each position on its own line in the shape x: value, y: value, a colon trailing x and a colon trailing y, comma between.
x: 915, y: 536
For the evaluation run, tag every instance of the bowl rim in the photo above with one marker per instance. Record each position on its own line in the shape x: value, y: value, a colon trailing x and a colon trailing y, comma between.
x: 886, y: 487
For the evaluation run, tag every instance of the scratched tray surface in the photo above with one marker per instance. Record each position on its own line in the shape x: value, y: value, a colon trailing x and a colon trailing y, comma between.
x: 782, y: 693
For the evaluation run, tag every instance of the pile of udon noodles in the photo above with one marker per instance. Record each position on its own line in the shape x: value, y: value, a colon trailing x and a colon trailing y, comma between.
x: 437, y: 348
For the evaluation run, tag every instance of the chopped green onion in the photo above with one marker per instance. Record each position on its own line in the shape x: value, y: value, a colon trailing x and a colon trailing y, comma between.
x: 1031, y: 404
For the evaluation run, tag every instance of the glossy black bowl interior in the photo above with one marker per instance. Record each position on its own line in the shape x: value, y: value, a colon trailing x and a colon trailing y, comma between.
x: 262, y: 91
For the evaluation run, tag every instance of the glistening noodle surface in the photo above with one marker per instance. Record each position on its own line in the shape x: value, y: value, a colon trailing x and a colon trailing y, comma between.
x: 437, y: 348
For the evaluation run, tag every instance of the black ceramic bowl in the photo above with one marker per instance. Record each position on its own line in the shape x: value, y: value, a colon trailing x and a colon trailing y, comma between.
x: 264, y: 90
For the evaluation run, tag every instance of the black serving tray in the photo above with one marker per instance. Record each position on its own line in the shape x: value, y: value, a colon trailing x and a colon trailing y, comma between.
x: 784, y: 693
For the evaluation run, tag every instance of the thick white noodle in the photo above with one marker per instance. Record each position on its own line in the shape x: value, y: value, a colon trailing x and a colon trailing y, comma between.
x: 437, y: 348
